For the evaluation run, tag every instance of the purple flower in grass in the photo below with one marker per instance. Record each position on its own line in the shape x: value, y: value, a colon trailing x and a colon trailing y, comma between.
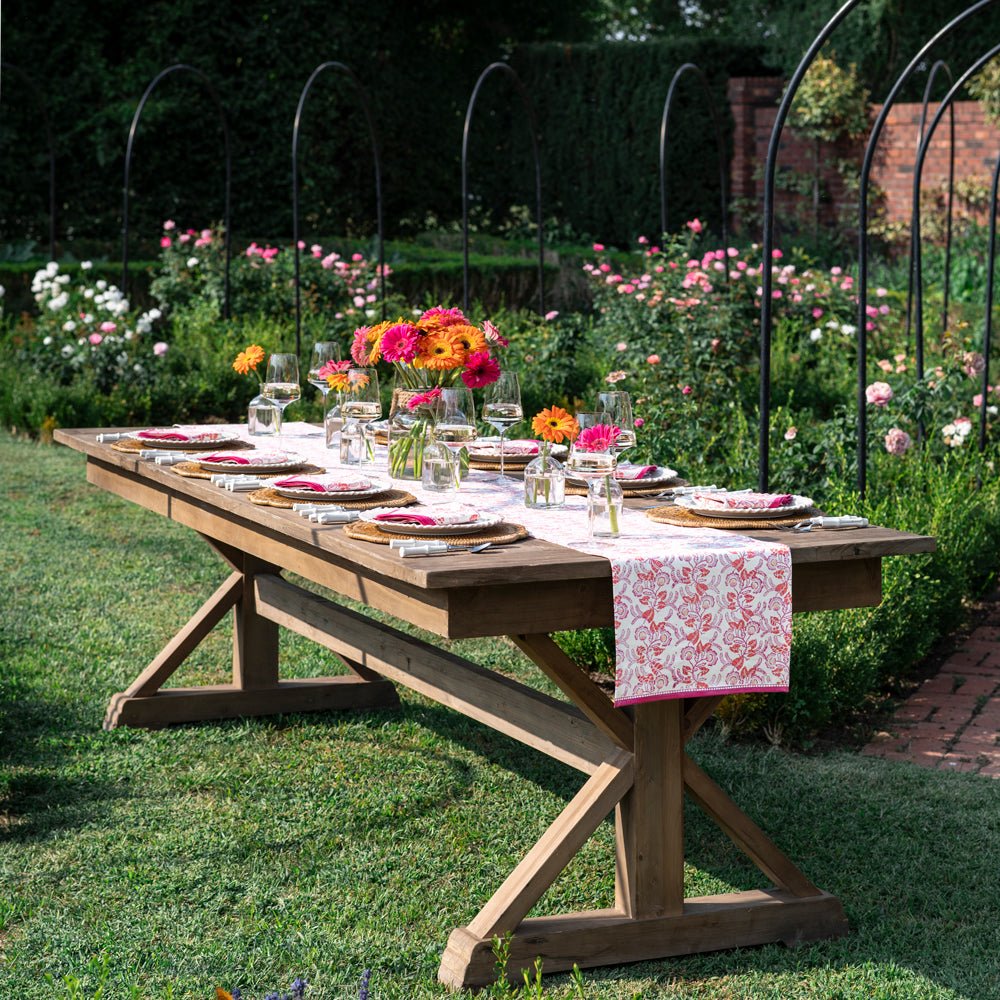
x: 365, y: 980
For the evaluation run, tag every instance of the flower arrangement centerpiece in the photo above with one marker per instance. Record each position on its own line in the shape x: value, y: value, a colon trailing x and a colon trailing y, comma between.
x: 544, y: 477
x: 439, y: 349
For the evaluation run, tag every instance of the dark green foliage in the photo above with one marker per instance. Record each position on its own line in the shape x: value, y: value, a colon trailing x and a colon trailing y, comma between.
x: 599, y: 108
x: 92, y: 63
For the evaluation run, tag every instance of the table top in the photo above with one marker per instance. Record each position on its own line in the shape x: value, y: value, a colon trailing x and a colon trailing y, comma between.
x: 539, y: 570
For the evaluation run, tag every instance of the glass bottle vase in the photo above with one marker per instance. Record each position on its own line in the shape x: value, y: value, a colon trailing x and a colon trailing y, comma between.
x: 263, y: 417
x: 544, y: 482
x: 604, y: 506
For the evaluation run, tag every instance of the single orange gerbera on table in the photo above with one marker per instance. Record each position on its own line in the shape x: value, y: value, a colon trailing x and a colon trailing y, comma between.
x: 555, y: 425
x: 247, y: 360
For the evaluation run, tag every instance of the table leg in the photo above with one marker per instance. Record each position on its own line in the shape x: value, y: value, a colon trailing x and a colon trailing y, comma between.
x: 256, y: 688
x: 651, y: 917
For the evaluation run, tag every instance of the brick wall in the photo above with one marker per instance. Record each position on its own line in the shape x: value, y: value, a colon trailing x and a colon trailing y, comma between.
x: 754, y: 101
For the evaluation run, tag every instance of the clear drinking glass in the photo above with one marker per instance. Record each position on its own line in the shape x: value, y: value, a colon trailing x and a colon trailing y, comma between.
x: 455, y: 423
x: 592, y: 459
x: 502, y: 408
x: 281, y: 384
x: 362, y: 404
x: 618, y: 406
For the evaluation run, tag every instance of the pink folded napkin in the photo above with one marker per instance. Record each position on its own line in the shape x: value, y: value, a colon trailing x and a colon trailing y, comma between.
x: 226, y: 459
x: 744, y: 501
x: 634, y: 471
x: 324, y: 484
x: 163, y: 436
x: 439, y: 514
x: 257, y: 458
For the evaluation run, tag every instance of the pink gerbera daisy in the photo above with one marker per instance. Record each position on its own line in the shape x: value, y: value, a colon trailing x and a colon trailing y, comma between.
x: 359, y: 349
x: 334, y: 368
x: 600, y: 437
x: 424, y: 398
x: 480, y: 370
x: 401, y: 343
x: 493, y: 335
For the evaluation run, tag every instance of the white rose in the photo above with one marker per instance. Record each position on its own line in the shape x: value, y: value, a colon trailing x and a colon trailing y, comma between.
x: 816, y: 334
x: 101, y: 284
x: 69, y: 326
x: 46, y: 341
x: 192, y: 262
x: 86, y: 265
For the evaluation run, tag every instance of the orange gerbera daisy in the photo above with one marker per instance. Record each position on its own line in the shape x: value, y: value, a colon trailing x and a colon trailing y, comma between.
x: 247, y: 360
x: 555, y: 425
x: 471, y: 338
x: 337, y: 381
x: 442, y: 352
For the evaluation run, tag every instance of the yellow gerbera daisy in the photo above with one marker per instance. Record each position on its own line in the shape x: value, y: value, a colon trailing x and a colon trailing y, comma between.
x: 442, y: 352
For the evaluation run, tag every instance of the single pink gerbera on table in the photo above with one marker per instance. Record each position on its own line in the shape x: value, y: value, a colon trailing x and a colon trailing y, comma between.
x: 480, y: 370
x: 600, y: 437
x: 424, y: 398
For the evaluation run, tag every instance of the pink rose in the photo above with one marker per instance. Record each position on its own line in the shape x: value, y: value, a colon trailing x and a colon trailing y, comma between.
x: 108, y: 327
x: 549, y: 316
x: 159, y: 349
x: 95, y: 339
x: 686, y: 390
x: 165, y: 242
x: 653, y: 359
x: 695, y: 226
x: 639, y: 422
x: 879, y: 393
x: 598, y: 247
x: 897, y: 441
x: 791, y: 433
x: 169, y: 224
x: 643, y: 239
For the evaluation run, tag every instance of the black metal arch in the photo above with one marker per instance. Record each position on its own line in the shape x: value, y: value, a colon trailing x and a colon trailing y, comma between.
x: 720, y: 145
x: 914, y: 275
x: 366, y: 108
x: 36, y: 91
x: 768, y: 237
x: 988, y: 324
x: 866, y: 169
x: 530, y: 112
x: 178, y: 67
x: 947, y: 103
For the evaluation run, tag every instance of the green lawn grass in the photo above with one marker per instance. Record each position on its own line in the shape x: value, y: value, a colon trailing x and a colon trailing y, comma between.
x: 249, y: 852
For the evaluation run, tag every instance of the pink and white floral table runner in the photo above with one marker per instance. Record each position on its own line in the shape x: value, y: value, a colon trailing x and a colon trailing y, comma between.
x: 697, y: 611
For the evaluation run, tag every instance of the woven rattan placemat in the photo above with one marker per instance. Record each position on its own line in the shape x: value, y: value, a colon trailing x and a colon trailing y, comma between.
x: 630, y: 489
x: 134, y: 445
x: 685, y: 518
x: 193, y: 470
x: 499, y: 534
x: 268, y: 497
x: 515, y: 467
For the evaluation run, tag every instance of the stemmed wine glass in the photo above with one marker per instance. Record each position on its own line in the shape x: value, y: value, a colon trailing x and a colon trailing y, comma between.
x: 502, y: 409
x: 281, y: 384
x: 618, y: 406
x: 362, y: 404
x: 322, y: 352
x: 455, y: 424
x: 592, y: 459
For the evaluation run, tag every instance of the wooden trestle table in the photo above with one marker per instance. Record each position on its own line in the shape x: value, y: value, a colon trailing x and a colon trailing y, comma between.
x: 633, y: 760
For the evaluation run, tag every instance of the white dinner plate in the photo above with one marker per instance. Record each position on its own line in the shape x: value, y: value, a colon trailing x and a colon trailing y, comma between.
x: 488, y: 450
x: 255, y: 464
x: 199, y: 441
x: 797, y: 505
x: 658, y: 477
x: 300, y: 494
x: 483, y: 522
